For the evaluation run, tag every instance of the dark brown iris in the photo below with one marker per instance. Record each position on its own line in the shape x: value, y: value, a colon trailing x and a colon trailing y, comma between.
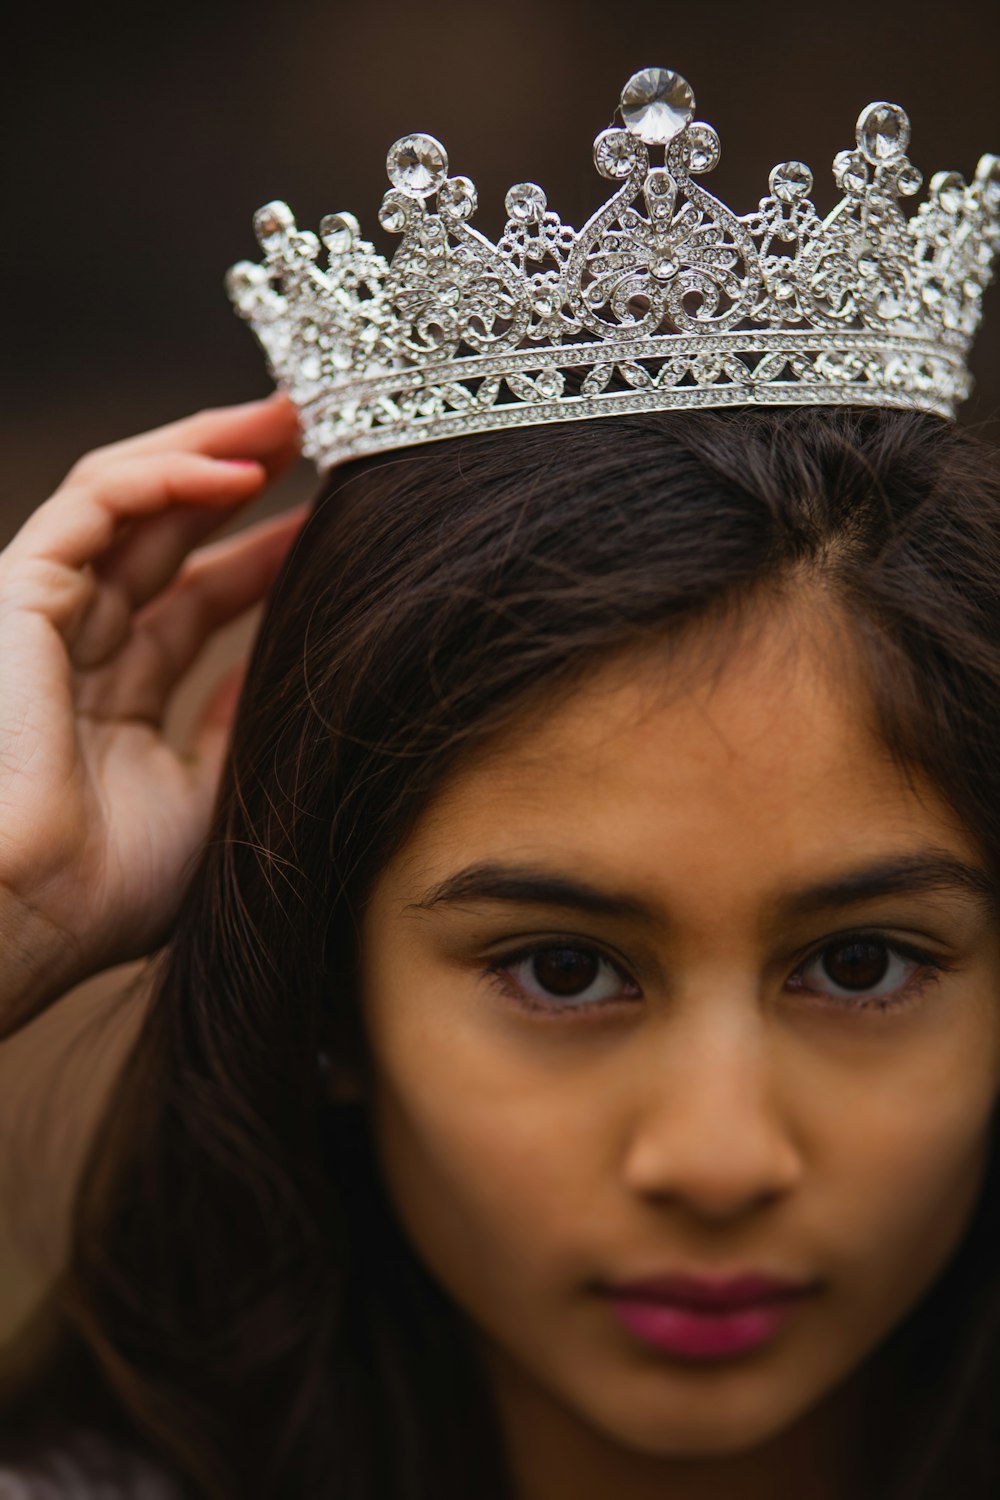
x: 565, y: 971
x: 857, y: 966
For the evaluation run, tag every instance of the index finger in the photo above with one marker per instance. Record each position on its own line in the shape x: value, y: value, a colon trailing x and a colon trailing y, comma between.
x: 266, y: 430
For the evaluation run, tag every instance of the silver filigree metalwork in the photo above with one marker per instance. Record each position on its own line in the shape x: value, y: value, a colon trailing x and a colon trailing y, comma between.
x: 665, y: 298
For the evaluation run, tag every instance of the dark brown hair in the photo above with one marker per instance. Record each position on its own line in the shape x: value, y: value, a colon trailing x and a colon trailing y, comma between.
x: 239, y: 1296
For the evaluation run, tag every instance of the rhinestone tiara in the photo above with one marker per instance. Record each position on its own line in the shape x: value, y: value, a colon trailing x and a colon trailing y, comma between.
x: 665, y: 298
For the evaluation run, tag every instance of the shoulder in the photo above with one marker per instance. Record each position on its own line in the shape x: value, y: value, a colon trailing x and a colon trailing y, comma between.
x: 84, y: 1465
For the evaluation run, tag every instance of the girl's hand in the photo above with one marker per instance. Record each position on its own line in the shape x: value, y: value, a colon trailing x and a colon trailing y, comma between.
x: 103, y: 607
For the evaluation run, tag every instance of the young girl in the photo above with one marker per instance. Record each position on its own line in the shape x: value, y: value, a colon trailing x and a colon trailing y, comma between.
x: 625, y: 838
x: 573, y: 1063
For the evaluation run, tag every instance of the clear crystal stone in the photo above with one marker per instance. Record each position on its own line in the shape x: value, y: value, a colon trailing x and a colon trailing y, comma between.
x: 949, y: 190
x: 988, y: 177
x: 246, y: 276
x: 909, y: 180
x: 339, y: 232
x: 273, y: 223
x: 458, y: 397
x: 791, y: 180
x: 614, y: 153
x: 656, y: 105
x: 433, y: 236
x: 550, y: 384
x: 526, y: 203
x: 660, y: 191
x: 392, y: 215
x: 458, y: 198
x: 637, y: 376
x: 522, y: 387
x: 250, y: 288
x: 850, y: 171
x: 597, y: 380
x: 703, y: 148
x: 417, y: 164
x: 883, y: 132
x: 306, y: 244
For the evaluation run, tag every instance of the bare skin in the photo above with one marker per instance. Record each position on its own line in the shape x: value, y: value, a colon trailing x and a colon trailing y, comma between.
x: 105, y: 601
x: 740, y: 1101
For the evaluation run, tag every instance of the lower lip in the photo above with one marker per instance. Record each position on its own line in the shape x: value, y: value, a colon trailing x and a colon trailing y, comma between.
x: 694, y: 1335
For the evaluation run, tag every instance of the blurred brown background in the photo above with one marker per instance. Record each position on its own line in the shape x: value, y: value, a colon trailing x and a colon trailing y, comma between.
x: 141, y: 141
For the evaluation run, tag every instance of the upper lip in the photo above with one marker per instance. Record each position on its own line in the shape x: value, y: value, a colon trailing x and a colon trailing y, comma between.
x: 742, y: 1290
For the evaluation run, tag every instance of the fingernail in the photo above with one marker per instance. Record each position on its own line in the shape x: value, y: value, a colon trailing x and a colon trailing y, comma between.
x: 261, y: 400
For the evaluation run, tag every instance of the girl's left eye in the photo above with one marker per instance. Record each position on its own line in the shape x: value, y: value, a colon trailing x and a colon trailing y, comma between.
x: 561, y: 976
x: 863, y: 970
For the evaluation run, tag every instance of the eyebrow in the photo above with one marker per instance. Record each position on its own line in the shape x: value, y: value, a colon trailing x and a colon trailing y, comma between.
x: 922, y: 872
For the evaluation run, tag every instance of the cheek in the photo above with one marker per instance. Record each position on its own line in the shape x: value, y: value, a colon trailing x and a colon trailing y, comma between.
x: 489, y: 1169
x: 911, y: 1157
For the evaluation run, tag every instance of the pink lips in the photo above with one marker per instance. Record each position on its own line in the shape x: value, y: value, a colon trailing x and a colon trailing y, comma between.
x: 698, y: 1319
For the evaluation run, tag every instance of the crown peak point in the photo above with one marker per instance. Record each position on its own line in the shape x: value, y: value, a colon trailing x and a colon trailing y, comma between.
x: 656, y: 105
x: 417, y: 165
x: 883, y: 132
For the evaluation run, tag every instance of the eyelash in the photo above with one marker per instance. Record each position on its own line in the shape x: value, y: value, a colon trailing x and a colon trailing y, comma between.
x: 908, y: 994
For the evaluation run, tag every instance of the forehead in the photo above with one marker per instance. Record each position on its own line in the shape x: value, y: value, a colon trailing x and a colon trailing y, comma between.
x: 750, y: 757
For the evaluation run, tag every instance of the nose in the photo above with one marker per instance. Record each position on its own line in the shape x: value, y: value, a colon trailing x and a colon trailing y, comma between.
x: 710, y: 1130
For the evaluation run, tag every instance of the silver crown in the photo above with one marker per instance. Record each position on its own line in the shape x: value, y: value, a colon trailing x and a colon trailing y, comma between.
x: 665, y: 298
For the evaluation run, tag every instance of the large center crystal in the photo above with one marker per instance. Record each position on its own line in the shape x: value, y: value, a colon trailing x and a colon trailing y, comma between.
x: 656, y: 105
x: 417, y: 164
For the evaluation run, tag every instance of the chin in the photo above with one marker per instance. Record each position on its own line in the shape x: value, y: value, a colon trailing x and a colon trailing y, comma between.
x: 701, y: 1425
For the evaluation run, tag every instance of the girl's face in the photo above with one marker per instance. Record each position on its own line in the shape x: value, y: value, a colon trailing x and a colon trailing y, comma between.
x: 683, y: 978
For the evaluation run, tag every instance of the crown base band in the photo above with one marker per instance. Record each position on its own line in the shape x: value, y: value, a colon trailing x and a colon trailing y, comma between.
x: 414, y: 433
x: 849, y: 368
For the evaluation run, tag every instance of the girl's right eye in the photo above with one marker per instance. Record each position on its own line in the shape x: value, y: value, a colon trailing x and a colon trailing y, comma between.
x: 561, y: 977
